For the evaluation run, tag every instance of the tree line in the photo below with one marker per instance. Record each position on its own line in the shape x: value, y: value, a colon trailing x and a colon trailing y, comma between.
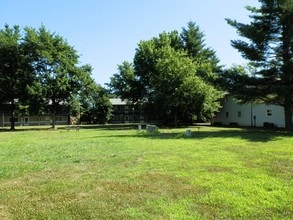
x: 174, y: 77
x: 40, y: 73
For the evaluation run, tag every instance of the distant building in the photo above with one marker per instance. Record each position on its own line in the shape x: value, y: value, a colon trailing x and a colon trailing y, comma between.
x: 62, y: 118
x: 124, y: 112
x: 255, y: 115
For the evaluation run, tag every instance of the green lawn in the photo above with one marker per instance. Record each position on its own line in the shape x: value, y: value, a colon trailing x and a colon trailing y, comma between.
x: 118, y: 173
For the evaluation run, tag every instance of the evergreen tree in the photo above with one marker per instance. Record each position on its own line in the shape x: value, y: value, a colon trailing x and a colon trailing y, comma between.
x: 269, y: 48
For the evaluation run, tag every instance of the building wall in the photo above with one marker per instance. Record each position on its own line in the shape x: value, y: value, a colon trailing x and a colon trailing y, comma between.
x: 124, y: 112
x: 233, y: 113
x: 33, y: 120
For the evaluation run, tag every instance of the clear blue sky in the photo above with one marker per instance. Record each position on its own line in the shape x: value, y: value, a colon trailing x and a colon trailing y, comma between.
x: 106, y: 32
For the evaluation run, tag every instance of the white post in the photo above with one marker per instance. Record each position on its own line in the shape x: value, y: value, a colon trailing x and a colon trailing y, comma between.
x: 2, y: 119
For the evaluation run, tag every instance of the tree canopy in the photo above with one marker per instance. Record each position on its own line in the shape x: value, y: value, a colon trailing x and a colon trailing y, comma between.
x: 15, y: 71
x: 95, y: 106
x: 268, y: 45
x: 58, y: 78
x: 170, y: 77
x: 41, y: 70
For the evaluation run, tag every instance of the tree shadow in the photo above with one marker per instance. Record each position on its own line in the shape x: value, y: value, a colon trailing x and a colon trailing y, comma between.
x: 110, y: 126
x: 19, y: 129
x: 65, y: 127
x: 253, y: 135
x: 197, y: 132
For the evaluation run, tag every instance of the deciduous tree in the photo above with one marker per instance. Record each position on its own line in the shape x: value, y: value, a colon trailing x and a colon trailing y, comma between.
x: 179, y: 91
x: 15, y: 71
x: 57, y: 74
x: 170, y: 76
x: 95, y: 105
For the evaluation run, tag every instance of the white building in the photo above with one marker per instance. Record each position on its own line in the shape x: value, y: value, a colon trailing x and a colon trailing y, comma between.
x: 259, y: 115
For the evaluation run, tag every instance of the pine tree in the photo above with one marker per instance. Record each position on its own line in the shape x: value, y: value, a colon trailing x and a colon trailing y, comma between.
x: 269, y: 48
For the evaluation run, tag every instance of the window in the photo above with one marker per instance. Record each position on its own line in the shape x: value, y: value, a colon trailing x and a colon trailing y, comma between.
x: 126, y: 109
x: 269, y: 112
x: 227, y: 114
x: 239, y: 114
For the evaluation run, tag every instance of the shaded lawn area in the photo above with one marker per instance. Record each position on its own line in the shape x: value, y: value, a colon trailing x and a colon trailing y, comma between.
x: 107, y: 173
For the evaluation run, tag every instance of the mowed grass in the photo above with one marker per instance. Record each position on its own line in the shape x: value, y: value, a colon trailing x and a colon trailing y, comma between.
x: 121, y: 173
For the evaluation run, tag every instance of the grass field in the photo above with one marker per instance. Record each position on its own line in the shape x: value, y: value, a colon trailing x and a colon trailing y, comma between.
x: 120, y: 173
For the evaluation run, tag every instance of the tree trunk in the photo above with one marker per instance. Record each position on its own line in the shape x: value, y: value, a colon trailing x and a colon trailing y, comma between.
x: 288, y: 113
x: 287, y: 31
x: 53, y: 112
x: 53, y: 120
x: 12, y: 115
x: 176, y: 116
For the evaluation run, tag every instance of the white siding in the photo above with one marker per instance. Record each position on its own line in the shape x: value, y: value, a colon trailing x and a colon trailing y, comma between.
x: 249, y: 114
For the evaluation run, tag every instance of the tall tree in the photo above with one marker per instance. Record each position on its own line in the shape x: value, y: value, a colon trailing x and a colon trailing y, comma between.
x: 179, y: 91
x: 57, y: 74
x: 269, y: 48
x: 15, y: 71
x: 169, y: 76
x: 193, y: 42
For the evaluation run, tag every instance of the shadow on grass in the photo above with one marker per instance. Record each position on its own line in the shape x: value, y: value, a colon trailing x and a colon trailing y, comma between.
x: 34, y: 128
x: 198, y: 132
x: 253, y: 135
x: 64, y: 127
x: 111, y: 126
